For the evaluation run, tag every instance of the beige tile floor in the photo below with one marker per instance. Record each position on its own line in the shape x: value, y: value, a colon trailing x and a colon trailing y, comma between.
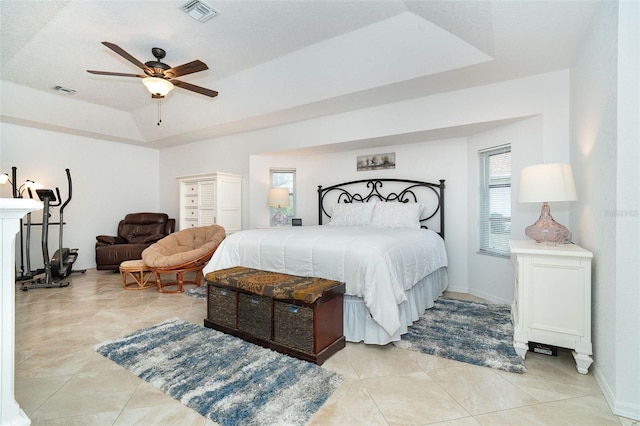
x: 60, y: 380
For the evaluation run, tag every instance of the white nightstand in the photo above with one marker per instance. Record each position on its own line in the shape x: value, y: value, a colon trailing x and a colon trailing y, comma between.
x: 552, y: 298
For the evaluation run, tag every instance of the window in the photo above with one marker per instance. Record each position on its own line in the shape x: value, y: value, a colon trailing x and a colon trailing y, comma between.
x: 284, y: 178
x: 495, y: 201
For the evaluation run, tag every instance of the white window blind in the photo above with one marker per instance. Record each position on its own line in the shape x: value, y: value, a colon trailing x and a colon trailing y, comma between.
x: 284, y: 178
x: 495, y: 200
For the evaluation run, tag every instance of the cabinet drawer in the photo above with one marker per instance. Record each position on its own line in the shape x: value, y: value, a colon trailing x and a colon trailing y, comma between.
x: 190, y: 214
x: 191, y: 201
x: 191, y: 189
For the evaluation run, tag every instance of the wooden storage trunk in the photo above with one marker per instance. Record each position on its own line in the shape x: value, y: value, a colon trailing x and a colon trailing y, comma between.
x: 298, y: 316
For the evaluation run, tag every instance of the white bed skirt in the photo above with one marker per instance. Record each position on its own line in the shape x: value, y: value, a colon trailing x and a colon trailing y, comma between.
x: 360, y: 327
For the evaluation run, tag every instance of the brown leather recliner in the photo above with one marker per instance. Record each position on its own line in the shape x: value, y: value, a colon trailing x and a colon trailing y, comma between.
x: 136, y: 232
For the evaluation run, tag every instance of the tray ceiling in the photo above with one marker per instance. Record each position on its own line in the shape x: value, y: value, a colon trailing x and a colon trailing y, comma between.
x: 273, y: 62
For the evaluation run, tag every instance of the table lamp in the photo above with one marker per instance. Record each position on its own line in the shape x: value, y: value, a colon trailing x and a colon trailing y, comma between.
x: 278, y: 197
x: 546, y: 183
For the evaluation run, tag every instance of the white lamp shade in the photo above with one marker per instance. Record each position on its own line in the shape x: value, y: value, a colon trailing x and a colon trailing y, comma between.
x: 547, y: 182
x: 278, y: 197
x: 32, y: 184
x: 157, y: 86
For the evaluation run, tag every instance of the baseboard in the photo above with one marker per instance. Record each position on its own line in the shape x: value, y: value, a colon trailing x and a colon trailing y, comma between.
x: 85, y: 267
x: 490, y: 297
x: 455, y: 289
x: 619, y: 408
x: 486, y: 296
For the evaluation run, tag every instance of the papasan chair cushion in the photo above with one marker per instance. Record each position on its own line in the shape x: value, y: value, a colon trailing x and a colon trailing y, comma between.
x: 183, y: 251
x: 183, y: 246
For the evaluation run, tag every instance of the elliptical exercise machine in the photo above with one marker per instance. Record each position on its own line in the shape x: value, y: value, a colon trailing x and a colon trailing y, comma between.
x: 61, y: 264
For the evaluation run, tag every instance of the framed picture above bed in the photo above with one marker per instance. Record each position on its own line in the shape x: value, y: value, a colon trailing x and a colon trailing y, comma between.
x: 376, y: 161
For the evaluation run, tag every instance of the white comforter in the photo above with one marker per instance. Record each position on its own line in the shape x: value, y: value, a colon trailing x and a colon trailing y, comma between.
x: 377, y: 264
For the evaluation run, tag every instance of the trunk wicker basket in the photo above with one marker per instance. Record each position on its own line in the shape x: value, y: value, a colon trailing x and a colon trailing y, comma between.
x: 221, y: 306
x: 298, y: 316
x: 254, y: 315
x: 293, y: 326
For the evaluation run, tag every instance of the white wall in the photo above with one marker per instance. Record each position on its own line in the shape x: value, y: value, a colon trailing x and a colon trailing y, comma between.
x: 426, y: 161
x: 253, y: 153
x: 543, y: 95
x: 593, y: 91
x: 109, y: 181
x: 532, y: 142
x: 227, y: 155
x: 121, y: 178
x: 515, y: 98
x: 628, y: 206
x: 493, y: 276
x: 604, y: 146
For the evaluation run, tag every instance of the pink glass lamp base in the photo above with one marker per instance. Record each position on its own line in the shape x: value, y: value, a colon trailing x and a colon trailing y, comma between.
x: 279, y: 219
x: 546, y: 230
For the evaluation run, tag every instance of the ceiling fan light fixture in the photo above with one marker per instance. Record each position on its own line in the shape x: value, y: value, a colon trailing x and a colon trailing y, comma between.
x: 157, y: 86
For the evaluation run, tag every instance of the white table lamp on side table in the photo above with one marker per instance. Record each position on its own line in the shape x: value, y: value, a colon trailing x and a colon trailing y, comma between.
x: 278, y: 197
x: 541, y: 184
x: 11, y: 211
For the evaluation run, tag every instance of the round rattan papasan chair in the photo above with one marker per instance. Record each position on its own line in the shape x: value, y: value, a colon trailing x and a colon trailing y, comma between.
x: 184, y: 251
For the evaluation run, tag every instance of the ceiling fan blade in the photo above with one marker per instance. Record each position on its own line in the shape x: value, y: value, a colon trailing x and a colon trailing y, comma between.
x: 120, y: 51
x: 188, y: 68
x: 119, y: 74
x: 194, y: 88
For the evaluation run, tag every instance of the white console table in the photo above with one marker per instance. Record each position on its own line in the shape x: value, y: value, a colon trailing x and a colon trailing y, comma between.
x: 552, y: 298
x: 11, y: 211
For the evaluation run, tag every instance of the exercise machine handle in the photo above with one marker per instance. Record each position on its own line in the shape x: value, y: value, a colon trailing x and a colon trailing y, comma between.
x: 70, y: 188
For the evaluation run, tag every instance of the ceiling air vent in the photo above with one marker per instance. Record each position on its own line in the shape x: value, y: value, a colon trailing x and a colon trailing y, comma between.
x: 199, y: 10
x: 64, y: 90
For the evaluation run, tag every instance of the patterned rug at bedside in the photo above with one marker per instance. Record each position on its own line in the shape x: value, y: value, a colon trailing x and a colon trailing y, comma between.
x: 197, y: 292
x: 475, y: 333
x: 222, y: 377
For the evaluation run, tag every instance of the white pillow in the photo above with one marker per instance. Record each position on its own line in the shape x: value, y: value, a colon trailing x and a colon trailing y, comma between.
x: 397, y: 215
x: 352, y: 214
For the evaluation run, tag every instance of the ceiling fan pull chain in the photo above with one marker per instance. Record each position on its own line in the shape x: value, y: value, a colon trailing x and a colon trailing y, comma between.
x: 159, y: 111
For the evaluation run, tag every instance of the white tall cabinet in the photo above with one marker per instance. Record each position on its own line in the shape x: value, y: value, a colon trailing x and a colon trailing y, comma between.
x: 552, y: 298
x: 213, y: 198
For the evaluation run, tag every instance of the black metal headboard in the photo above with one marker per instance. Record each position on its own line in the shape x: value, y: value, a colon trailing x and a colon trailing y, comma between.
x: 399, y: 190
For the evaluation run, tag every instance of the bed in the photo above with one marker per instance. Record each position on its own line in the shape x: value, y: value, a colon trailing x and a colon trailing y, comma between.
x: 383, y: 237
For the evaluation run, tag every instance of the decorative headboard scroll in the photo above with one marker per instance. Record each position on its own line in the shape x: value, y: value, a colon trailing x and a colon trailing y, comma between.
x: 431, y: 195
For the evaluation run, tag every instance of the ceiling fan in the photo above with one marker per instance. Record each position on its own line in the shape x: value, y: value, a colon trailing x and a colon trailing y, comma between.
x: 159, y: 78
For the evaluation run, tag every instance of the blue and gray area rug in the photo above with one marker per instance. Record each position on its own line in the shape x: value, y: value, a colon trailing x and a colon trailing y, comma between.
x: 224, y: 378
x: 197, y: 292
x: 475, y: 333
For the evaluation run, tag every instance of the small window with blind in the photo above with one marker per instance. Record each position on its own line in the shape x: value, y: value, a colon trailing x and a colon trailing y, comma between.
x: 495, y: 201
